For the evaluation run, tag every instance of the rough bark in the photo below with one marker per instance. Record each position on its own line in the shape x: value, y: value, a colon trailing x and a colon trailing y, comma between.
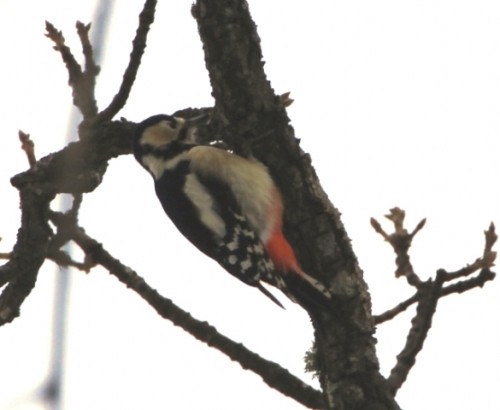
x: 245, y: 101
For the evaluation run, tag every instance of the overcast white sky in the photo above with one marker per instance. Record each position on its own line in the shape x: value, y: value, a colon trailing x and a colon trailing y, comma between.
x: 398, y: 103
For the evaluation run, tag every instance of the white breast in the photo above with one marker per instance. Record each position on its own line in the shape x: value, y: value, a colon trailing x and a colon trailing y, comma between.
x: 204, y: 202
x: 157, y: 165
x: 249, y: 182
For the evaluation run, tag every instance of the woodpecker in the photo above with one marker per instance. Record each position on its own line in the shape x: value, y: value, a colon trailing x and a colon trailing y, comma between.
x: 225, y: 205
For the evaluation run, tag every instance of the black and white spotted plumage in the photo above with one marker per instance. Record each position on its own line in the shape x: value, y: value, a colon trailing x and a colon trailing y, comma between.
x: 226, y: 205
x: 204, y: 209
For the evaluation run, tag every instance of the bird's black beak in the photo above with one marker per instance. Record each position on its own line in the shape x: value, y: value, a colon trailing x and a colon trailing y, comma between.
x: 191, y: 127
x: 197, y: 120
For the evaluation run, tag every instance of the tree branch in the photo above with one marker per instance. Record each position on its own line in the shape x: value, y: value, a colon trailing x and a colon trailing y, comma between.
x: 428, y: 296
x: 28, y: 146
x: 400, y: 241
x: 87, y: 49
x: 82, y: 82
x: 428, y: 293
x: 146, y: 18
x: 483, y: 264
x: 57, y: 37
x: 272, y: 373
x: 77, y: 168
x: 20, y: 272
x: 24, y: 261
x: 484, y: 276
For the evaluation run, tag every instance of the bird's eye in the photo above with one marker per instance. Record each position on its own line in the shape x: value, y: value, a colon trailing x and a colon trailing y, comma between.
x: 170, y: 123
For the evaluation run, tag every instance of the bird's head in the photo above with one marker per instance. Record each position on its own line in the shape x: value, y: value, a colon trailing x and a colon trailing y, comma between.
x: 159, y: 131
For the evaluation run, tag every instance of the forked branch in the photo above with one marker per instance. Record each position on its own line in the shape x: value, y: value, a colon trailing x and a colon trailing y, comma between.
x: 400, y: 241
x: 429, y: 292
x: 83, y: 79
x: 146, y: 18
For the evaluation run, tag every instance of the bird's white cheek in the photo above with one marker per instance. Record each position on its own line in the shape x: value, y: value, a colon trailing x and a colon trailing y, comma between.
x: 157, y: 166
x: 203, y: 201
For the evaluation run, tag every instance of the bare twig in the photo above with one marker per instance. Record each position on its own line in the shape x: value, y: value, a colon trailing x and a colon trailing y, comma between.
x: 478, y: 281
x: 428, y: 296
x: 484, y: 276
x: 64, y: 223
x: 400, y: 241
x: 62, y: 258
x: 396, y: 310
x: 28, y: 146
x: 74, y: 69
x: 483, y: 264
x: 146, y: 18
x: 82, y: 82
x: 87, y: 50
x: 285, y: 99
x: 75, y: 207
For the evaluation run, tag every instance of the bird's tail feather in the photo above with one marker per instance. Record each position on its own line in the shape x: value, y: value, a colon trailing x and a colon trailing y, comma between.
x: 307, y: 291
x: 269, y: 295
